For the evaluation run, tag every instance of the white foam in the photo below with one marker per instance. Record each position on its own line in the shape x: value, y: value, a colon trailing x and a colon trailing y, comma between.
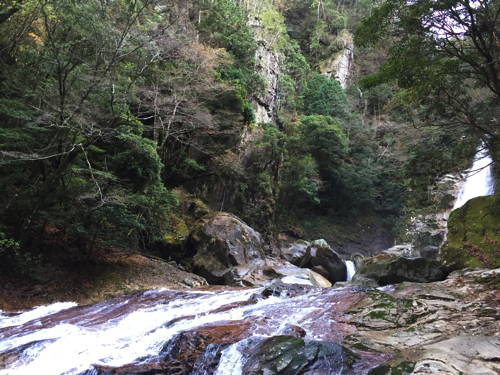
x: 479, y: 180
x: 351, y: 269
x: 36, y: 313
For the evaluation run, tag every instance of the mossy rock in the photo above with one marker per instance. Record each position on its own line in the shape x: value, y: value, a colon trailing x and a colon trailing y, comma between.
x: 289, y: 355
x: 397, y: 270
x: 473, y: 238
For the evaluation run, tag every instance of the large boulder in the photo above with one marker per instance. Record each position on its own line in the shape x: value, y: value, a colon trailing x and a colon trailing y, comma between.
x: 319, y: 253
x: 225, y: 241
x: 295, y: 252
x: 290, y: 355
x: 401, y: 269
x: 473, y: 238
x: 397, y: 251
x: 259, y: 276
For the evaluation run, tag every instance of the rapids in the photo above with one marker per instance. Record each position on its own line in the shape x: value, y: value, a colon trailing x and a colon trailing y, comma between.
x: 139, y: 329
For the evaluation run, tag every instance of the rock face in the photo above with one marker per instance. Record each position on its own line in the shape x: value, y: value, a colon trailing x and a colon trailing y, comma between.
x: 366, y: 241
x: 473, y: 238
x: 430, y: 229
x: 259, y: 276
x: 449, y: 327
x: 405, y: 251
x: 319, y: 253
x: 401, y: 269
x: 340, y: 65
x: 226, y: 241
x: 295, y: 252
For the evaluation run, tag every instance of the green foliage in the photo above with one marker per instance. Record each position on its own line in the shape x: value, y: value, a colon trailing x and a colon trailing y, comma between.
x: 327, y: 142
x: 326, y: 97
x: 74, y: 155
x: 440, y: 71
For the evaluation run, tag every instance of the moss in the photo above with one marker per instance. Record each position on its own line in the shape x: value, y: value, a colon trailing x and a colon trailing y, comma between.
x: 380, y: 370
x: 362, y: 347
x: 381, y: 314
x: 208, y: 262
x: 301, y: 242
x: 400, y: 287
x: 473, y: 237
x: 403, y: 367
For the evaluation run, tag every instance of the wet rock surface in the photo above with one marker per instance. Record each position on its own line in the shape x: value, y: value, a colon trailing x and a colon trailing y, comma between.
x: 446, y: 327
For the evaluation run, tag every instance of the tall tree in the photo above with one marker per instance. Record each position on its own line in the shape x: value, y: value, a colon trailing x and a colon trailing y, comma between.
x: 445, y: 56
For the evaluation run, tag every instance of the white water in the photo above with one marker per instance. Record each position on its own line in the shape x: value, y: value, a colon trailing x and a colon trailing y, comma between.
x: 74, y: 348
x: 36, y: 313
x: 479, y: 181
x: 351, y: 269
x: 116, y: 343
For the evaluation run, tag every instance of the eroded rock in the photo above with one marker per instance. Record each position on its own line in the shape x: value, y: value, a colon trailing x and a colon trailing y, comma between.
x: 226, y: 241
x: 295, y: 252
x: 401, y: 269
x: 319, y: 253
x: 259, y: 276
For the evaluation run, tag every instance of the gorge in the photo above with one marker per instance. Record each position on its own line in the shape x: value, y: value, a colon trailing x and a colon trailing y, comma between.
x: 249, y: 187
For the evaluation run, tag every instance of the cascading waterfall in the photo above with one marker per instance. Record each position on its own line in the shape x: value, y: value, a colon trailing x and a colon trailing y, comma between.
x: 351, y: 269
x: 479, y: 181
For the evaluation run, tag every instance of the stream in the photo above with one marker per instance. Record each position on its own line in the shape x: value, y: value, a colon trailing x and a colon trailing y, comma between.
x: 144, y: 329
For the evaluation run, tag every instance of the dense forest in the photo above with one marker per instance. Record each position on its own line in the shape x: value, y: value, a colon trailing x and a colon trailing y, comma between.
x: 122, y: 120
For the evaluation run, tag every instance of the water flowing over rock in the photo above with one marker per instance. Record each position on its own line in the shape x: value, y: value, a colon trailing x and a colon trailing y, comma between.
x: 479, y: 180
x: 161, y: 331
x: 452, y: 325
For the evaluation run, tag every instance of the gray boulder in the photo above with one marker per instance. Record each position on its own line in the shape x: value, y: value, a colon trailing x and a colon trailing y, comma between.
x: 397, y: 270
x: 225, y: 241
x: 295, y: 252
x: 358, y: 260
x: 362, y: 282
x: 319, y: 253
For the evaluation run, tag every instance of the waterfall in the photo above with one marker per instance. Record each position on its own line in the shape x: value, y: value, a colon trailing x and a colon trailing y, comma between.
x: 351, y: 269
x: 479, y: 181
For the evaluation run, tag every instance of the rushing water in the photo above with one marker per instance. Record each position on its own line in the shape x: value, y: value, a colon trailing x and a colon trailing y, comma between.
x: 479, y: 181
x: 67, y: 339
x: 351, y: 269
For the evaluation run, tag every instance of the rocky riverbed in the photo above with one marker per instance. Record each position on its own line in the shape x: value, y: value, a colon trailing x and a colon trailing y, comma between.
x: 445, y: 327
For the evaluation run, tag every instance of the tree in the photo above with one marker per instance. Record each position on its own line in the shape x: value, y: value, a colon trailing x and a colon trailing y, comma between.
x: 73, y: 155
x: 445, y: 58
x: 326, y: 97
